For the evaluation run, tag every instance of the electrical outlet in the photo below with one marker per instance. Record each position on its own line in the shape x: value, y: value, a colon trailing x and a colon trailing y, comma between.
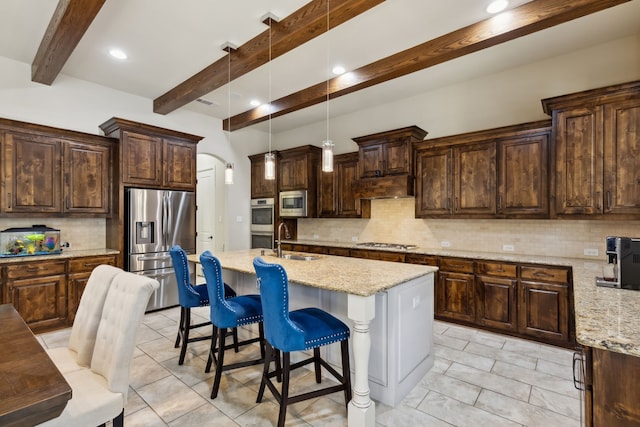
x: 354, y: 238
x: 509, y: 248
x: 65, y: 245
x: 591, y: 251
x: 316, y: 237
x: 445, y: 243
x: 238, y: 218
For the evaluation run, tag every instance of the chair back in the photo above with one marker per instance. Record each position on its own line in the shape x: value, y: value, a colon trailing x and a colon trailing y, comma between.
x: 85, y: 325
x: 124, y: 308
x: 279, y: 330
x: 223, y: 314
x: 187, y: 295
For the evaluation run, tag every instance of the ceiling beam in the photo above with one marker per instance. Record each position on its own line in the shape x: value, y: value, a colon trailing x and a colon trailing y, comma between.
x: 296, y: 29
x: 68, y: 24
x: 526, y: 19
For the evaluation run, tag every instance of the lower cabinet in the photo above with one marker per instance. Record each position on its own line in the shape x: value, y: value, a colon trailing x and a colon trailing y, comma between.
x: 38, y: 291
x: 47, y: 293
x: 79, y: 271
x: 454, y: 292
x: 496, y: 290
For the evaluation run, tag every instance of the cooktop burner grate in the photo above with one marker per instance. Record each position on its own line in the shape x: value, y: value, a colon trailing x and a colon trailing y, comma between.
x: 386, y: 245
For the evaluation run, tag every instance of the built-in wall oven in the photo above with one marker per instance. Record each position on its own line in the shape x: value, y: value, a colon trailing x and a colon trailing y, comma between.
x: 262, y: 222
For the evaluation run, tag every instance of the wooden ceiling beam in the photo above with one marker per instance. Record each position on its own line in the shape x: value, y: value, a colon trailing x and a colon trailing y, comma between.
x: 296, y: 29
x: 526, y: 19
x: 68, y: 24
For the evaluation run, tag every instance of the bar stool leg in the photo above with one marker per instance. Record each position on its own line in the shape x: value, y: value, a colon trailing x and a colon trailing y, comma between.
x: 284, y: 395
x: 185, y: 335
x: 222, y: 333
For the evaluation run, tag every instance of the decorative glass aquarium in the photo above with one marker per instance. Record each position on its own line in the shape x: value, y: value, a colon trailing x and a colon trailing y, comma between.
x: 34, y: 240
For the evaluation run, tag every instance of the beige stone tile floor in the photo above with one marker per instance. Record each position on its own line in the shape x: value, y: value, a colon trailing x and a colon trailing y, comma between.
x: 478, y: 379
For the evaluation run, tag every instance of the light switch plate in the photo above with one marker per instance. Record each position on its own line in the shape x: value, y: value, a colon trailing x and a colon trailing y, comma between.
x: 508, y: 248
x: 591, y: 251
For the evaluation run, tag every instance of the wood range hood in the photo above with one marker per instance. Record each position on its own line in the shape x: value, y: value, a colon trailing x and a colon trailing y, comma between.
x: 385, y: 162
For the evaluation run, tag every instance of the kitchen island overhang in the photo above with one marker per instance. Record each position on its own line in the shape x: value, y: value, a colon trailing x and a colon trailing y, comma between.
x: 388, y: 306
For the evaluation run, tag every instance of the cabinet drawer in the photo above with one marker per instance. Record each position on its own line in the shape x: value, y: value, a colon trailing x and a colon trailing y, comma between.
x: 456, y: 265
x: 497, y: 269
x: 33, y: 269
x: 339, y: 251
x: 83, y: 265
x: 545, y: 274
x: 421, y: 259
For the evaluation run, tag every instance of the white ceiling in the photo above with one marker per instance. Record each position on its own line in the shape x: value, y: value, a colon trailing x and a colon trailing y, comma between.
x: 168, y: 41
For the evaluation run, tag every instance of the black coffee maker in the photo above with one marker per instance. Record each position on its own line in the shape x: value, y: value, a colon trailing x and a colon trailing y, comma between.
x: 624, y: 254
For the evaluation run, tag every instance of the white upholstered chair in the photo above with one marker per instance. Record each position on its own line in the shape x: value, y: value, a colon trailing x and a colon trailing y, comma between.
x: 100, y: 393
x: 77, y: 355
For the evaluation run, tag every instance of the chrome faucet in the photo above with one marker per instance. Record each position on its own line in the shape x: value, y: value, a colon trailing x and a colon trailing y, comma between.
x: 286, y: 236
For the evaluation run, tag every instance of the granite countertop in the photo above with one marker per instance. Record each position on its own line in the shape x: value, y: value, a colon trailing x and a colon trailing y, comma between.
x: 334, y: 273
x: 65, y: 254
x: 605, y: 318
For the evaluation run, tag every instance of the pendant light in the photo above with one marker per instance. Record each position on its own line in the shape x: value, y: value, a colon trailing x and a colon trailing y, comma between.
x: 269, y: 158
x: 229, y: 47
x: 327, y: 144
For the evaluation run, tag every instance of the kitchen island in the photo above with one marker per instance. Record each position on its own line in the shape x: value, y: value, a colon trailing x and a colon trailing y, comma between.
x: 388, y: 306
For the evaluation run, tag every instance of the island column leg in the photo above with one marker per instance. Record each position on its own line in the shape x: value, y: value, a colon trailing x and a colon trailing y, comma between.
x: 362, y: 410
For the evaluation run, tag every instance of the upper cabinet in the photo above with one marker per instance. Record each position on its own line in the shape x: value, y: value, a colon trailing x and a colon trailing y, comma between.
x: 260, y: 187
x: 495, y: 173
x: 49, y: 171
x: 387, y: 153
x: 596, y: 153
x: 153, y: 157
x: 337, y: 197
x: 298, y: 168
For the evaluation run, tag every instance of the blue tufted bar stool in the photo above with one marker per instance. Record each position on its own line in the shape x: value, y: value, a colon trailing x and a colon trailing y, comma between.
x: 229, y: 313
x: 190, y: 296
x: 298, y: 330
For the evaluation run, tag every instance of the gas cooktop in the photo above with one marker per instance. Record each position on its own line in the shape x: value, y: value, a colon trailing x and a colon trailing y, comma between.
x: 386, y: 245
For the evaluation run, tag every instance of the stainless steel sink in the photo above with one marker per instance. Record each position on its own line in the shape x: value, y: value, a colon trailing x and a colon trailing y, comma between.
x: 298, y: 257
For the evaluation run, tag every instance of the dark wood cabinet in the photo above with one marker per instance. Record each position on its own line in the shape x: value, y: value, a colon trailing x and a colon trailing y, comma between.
x: 152, y: 157
x: 544, y: 304
x: 32, y: 173
x: 494, y: 173
x: 38, y: 291
x: 298, y: 169
x: 474, y: 179
x: 50, y: 171
x: 87, y: 177
x: 79, y: 271
x: 377, y: 255
x: 337, y: 197
x: 496, y: 295
x: 260, y: 187
x: 387, y: 153
x: 596, y: 166
x: 455, y: 291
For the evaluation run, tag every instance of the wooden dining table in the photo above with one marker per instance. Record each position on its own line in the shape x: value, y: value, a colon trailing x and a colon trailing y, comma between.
x: 32, y: 389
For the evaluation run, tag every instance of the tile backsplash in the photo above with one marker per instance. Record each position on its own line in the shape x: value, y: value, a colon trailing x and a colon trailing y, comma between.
x: 392, y: 221
x: 81, y: 233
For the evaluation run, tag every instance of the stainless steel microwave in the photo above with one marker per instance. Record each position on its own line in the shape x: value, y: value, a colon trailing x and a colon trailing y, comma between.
x: 293, y: 203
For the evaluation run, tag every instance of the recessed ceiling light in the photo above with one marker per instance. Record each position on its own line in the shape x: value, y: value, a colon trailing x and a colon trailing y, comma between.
x: 254, y: 102
x: 497, y: 6
x: 117, y: 53
x: 338, y: 69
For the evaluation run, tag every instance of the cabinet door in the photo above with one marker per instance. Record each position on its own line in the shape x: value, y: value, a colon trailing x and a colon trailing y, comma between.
x: 327, y: 205
x: 396, y: 157
x: 496, y: 299
x: 141, y: 159
x: 32, y: 176
x: 79, y: 271
x: 293, y: 173
x: 474, y: 175
x: 434, y: 187
x: 615, y: 389
x: 260, y: 187
x: 622, y: 157
x: 346, y: 175
x: 454, y: 295
x: 370, y: 162
x: 579, y: 161
x: 179, y: 163
x: 87, y: 178
x: 523, y: 189
x: 544, y: 311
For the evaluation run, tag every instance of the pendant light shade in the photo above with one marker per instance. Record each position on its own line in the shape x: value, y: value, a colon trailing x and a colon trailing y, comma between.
x: 327, y: 156
x: 269, y: 166
x: 228, y: 174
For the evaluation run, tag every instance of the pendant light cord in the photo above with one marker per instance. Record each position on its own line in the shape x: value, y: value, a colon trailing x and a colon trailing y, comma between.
x: 329, y: 75
x: 269, y: 104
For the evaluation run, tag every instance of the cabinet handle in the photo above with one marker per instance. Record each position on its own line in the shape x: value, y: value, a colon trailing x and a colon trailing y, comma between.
x: 32, y: 269
x: 91, y: 264
x: 66, y: 202
x: 578, y: 375
x: 500, y: 201
x: 542, y: 274
x: 599, y: 206
x: 9, y: 201
x: 456, y: 265
x: 608, y: 200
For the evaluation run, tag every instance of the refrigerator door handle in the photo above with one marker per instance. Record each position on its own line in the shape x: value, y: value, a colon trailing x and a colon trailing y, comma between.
x: 154, y: 258
x: 165, y: 215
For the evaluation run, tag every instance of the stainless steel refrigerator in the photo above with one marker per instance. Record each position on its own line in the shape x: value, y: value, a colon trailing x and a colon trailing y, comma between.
x: 155, y: 221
